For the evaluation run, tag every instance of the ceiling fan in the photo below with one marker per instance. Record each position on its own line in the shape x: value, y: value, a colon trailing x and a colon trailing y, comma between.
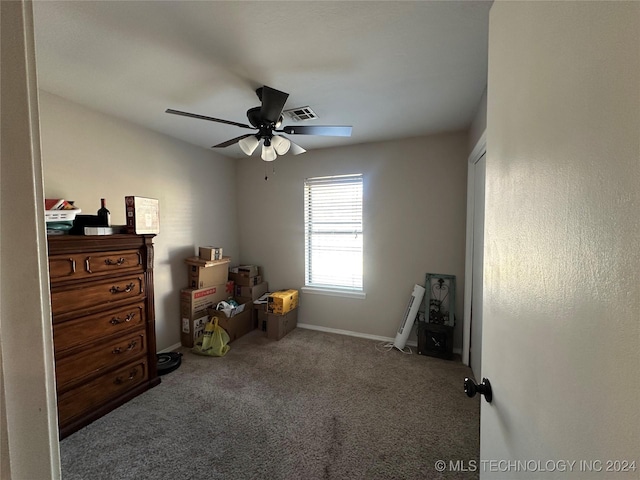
x: 267, y: 120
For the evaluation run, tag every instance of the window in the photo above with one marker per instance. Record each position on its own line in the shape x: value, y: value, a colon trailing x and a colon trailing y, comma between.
x: 333, y: 232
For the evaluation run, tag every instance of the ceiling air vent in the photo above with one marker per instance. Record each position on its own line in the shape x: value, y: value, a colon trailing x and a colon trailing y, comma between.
x: 301, y: 113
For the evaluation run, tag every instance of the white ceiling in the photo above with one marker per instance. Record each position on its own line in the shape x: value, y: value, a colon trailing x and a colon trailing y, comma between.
x: 391, y: 69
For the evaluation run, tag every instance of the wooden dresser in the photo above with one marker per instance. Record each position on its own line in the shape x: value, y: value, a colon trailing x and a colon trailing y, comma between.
x: 103, y: 323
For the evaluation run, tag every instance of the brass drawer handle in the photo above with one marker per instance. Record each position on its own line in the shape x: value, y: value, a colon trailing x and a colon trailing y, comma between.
x: 117, y: 320
x: 131, y: 346
x: 127, y: 289
x: 117, y: 263
x: 132, y: 375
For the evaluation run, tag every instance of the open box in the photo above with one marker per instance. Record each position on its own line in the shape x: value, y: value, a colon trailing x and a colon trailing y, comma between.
x: 238, y: 323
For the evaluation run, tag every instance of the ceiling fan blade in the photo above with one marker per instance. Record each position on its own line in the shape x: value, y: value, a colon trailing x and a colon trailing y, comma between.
x: 296, y: 149
x: 333, y: 131
x: 211, y: 119
x: 272, y: 103
x: 232, y: 141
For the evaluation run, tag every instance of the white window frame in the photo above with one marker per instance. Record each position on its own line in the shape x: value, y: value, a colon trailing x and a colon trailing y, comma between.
x: 317, y: 229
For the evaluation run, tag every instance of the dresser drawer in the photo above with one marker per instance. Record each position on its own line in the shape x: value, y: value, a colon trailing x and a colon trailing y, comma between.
x: 93, y: 294
x: 74, y: 368
x: 85, y: 265
x: 89, y: 329
x: 81, y: 400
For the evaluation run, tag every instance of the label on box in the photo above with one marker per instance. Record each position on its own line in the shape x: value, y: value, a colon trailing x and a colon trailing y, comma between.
x: 204, y: 292
x: 193, y: 329
x: 198, y: 327
x: 193, y: 302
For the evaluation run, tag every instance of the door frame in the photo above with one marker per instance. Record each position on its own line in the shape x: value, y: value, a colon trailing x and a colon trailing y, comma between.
x: 478, y: 151
x: 29, y: 446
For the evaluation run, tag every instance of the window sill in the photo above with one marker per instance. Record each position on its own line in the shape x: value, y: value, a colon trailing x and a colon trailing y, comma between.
x: 334, y: 292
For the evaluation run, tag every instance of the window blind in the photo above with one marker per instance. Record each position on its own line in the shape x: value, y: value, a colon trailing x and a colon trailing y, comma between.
x: 333, y: 232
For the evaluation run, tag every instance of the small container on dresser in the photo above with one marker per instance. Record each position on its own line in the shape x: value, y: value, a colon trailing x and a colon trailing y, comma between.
x: 103, y: 314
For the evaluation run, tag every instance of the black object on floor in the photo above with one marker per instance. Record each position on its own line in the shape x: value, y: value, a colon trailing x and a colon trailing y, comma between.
x: 435, y: 340
x: 168, y: 362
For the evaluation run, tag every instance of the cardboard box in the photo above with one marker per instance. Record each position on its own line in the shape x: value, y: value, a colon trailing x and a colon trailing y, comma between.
x: 212, y: 311
x: 245, y: 281
x: 260, y: 312
x: 196, y: 301
x: 282, y: 301
x: 210, y: 253
x: 192, y: 329
x: 280, y: 325
x: 237, y: 325
x: 142, y: 214
x: 246, y: 270
x: 259, y: 316
x: 207, y: 273
x: 252, y: 292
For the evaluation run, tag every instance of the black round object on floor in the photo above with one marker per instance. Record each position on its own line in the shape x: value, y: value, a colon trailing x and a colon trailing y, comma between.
x: 168, y: 362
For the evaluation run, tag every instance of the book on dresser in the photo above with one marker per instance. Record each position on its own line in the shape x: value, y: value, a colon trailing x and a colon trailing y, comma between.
x: 103, y: 315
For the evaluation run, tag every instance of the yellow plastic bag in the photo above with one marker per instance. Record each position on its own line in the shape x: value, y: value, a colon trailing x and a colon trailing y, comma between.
x: 214, y: 341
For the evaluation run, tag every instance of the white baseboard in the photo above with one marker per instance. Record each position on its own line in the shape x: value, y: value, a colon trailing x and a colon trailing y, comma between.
x: 349, y: 333
x: 171, y: 348
x: 411, y: 343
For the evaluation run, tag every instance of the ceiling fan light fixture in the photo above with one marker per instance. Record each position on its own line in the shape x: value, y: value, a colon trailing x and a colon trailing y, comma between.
x: 281, y: 144
x: 268, y: 152
x: 249, y: 144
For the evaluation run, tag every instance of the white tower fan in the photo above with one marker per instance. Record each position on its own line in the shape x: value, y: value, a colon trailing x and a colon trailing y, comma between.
x: 409, y: 317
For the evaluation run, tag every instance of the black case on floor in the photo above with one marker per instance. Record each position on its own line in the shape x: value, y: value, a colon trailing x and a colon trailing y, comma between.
x: 435, y: 340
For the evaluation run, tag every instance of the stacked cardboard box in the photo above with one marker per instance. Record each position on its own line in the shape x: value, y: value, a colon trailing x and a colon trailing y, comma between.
x: 246, y: 275
x: 250, y: 294
x: 193, y: 309
x: 282, y: 301
x: 249, y: 286
x: 279, y: 315
x: 280, y: 325
x: 211, y: 282
x: 206, y: 273
x: 208, y: 285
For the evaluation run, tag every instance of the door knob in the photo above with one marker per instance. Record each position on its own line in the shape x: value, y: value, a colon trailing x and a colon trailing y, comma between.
x: 471, y: 388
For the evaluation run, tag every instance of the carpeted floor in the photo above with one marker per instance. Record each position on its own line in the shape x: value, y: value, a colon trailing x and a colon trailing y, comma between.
x: 312, y: 406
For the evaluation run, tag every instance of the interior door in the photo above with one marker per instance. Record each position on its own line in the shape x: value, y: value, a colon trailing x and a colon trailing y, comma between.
x: 561, y: 335
x: 475, y: 347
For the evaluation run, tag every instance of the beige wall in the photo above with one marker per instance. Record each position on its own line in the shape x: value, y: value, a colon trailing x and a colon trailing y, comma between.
x: 414, y: 210
x: 414, y: 223
x: 561, y: 330
x: 88, y: 156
